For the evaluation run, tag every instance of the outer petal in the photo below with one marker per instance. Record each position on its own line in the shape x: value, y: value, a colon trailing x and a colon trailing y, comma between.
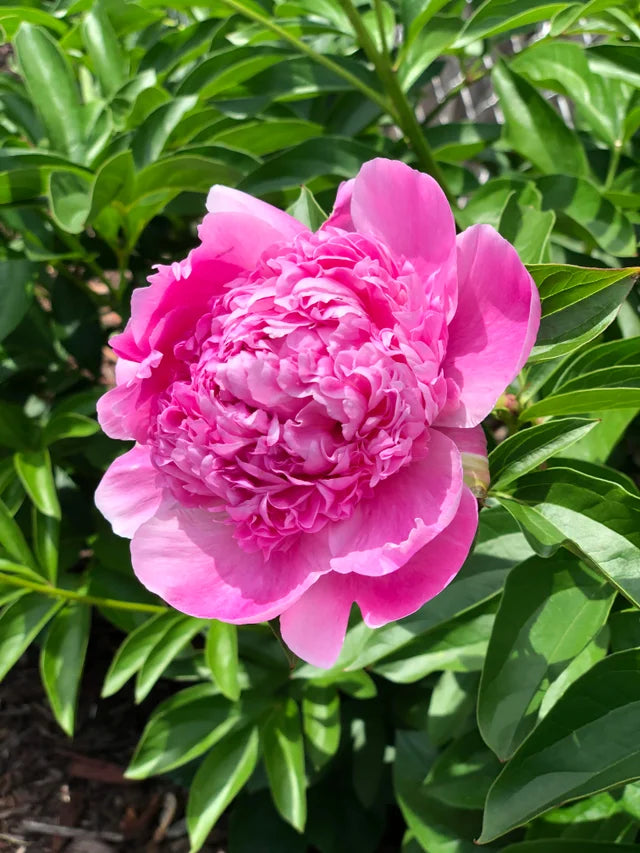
x: 190, y: 558
x: 341, y: 213
x: 386, y: 599
x: 239, y: 238
x: 223, y: 199
x: 130, y: 492
x: 406, y: 511
x: 408, y: 211
x: 472, y: 444
x: 494, y: 328
x: 314, y: 627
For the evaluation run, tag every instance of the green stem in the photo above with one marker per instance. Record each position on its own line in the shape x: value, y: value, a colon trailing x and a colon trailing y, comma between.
x: 300, y: 45
x: 402, y: 111
x: 70, y: 595
x: 377, y: 5
x: 613, y: 166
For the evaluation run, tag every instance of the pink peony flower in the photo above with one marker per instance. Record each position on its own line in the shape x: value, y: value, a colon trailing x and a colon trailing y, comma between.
x: 301, y: 404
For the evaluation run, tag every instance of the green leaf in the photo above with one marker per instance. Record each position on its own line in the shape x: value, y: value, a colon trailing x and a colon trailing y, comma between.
x: 231, y: 66
x: 425, y: 48
x: 495, y: 17
x: 550, y: 610
x: 135, y: 649
x: 534, y: 128
x: 62, y: 659
x: 598, y: 445
x: 563, y: 67
x: 16, y: 292
x: 607, y: 388
x: 577, y: 305
x: 46, y: 536
x: 307, y: 210
x: 452, y: 702
x: 167, y: 646
x: 524, y: 451
x: 52, y: 88
x: 184, y: 172
x: 70, y: 200
x: 618, y: 61
x: 69, y: 425
x: 528, y: 229
x: 593, y: 652
x: 462, y: 774
x: 114, y: 180
x: 150, y: 137
x: 455, y: 142
x: 438, y: 828
x: 220, y: 777
x: 20, y: 624
x: 330, y: 155
x: 107, y: 57
x: 180, y: 729
x: 562, y: 286
x: 598, y: 518
x: 267, y: 136
x: 609, y: 354
x: 34, y: 469
x: 283, y: 753
x: 572, y: 752
x: 221, y: 654
x: 582, y: 203
x: 12, y: 16
x: 12, y: 538
x: 459, y: 645
x: 321, y: 722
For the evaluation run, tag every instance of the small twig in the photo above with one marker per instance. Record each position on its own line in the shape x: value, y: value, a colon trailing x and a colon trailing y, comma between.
x: 169, y: 807
x: 70, y: 831
x: 12, y: 839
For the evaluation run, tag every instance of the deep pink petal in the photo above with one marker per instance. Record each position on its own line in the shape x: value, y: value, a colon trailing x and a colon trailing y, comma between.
x: 341, y: 213
x: 223, y: 199
x: 408, y: 211
x: 315, y: 625
x: 406, y: 511
x: 385, y: 599
x: 494, y: 328
x: 190, y: 559
x: 130, y: 492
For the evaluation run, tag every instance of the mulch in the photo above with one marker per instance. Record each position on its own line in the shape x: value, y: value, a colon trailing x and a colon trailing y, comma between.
x: 62, y: 795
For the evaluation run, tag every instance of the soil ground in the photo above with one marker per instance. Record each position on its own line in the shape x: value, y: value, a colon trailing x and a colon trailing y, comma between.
x: 62, y: 795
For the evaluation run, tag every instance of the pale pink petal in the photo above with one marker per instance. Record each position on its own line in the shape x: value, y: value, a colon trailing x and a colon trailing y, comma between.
x: 494, y: 328
x: 409, y: 212
x: 119, y: 412
x: 223, y: 199
x: 130, y: 491
x: 190, y: 559
x: 405, y: 512
x: 385, y: 599
x: 341, y: 213
x: 125, y: 370
x: 314, y: 627
x: 472, y: 444
x: 238, y: 239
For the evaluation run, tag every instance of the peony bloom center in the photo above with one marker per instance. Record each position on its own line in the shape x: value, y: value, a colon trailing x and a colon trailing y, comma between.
x: 309, y: 381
